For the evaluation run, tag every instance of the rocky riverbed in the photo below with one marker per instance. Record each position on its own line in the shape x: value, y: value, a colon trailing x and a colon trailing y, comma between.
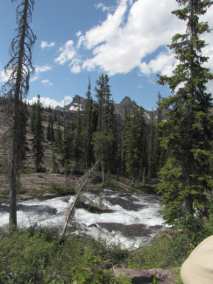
x: 128, y: 220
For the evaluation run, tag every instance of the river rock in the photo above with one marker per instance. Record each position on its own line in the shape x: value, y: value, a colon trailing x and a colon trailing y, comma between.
x: 139, y: 276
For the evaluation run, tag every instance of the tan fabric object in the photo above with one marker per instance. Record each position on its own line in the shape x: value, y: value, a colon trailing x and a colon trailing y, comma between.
x: 198, y: 268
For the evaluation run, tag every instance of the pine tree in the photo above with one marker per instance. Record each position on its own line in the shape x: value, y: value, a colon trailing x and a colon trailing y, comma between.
x: 160, y: 155
x: 16, y: 89
x: 33, y: 117
x: 116, y: 160
x: 151, y: 151
x: 134, y: 145
x: 105, y: 104
x: 68, y: 143
x: 78, y: 150
x: 58, y: 146
x: 59, y: 141
x: 50, y: 127
x: 103, y: 142
x: 89, y: 128
x: 55, y: 168
x: 104, y: 137
x: 186, y: 178
x: 38, y: 138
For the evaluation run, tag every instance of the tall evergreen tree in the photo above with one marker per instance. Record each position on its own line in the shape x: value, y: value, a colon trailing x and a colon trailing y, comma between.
x: 103, y: 142
x: 50, y: 127
x: 105, y: 104
x: 33, y: 117
x: 59, y: 147
x: 78, y: 150
x: 186, y: 178
x: 16, y: 89
x: 134, y: 145
x: 151, y: 149
x: 68, y: 142
x: 89, y: 127
x: 160, y: 155
x: 38, y: 138
x: 59, y: 139
x: 104, y: 137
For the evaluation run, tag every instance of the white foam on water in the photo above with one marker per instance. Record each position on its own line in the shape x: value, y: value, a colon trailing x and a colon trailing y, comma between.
x: 148, y: 215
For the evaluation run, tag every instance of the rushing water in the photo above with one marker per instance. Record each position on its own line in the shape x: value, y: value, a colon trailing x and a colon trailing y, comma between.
x: 126, y: 220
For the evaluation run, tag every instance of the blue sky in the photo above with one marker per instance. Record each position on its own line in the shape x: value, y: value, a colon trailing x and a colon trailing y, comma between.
x: 77, y: 40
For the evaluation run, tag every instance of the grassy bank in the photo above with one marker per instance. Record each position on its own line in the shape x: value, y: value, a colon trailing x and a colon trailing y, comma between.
x: 38, y: 257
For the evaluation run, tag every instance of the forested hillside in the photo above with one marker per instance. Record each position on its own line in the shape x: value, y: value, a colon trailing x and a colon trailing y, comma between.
x: 101, y: 190
x: 61, y: 141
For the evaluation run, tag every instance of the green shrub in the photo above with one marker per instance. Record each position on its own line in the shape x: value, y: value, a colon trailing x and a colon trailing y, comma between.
x: 24, y: 257
x: 163, y: 252
x: 38, y: 257
x: 61, y: 189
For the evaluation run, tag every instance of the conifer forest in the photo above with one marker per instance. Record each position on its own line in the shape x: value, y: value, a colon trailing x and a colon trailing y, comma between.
x: 112, y: 184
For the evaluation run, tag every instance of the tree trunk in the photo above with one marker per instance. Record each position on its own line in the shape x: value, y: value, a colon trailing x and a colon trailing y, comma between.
x: 102, y: 172
x: 12, y: 192
x: 144, y: 177
x: 13, y: 165
x: 14, y: 155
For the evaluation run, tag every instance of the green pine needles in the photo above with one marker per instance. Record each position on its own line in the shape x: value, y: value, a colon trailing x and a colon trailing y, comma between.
x: 186, y: 177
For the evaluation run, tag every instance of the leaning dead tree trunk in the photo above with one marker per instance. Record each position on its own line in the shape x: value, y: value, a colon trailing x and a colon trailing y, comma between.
x: 15, y: 90
x: 71, y: 207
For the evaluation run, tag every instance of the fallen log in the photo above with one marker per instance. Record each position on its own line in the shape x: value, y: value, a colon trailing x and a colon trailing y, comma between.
x: 72, y: 205
x: 139, y: 276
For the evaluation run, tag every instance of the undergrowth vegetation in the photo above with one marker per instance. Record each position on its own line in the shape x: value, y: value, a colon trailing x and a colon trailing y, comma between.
x: 37, y: 256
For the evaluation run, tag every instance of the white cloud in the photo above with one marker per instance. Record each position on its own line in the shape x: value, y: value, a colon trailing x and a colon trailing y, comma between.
x: 121, y: 43
x: 34, y: 79
x: 42, y: 68
x: 79, y: 33
x: 209, y: 38
x: 133, y: 31
x: 38, y: 70
x: 75, y: 67
x: 46, y: 44
x: 130, y: 34
x: 107, y: 31
x: 80, y: 38
x: 101, y: 6
x: 47, y: 82
x: 68, y: 55
x: 49, y: 102
x: 4, y: 76
x: 210, y: 87
x: 163, y: 64
x: 67, y: 100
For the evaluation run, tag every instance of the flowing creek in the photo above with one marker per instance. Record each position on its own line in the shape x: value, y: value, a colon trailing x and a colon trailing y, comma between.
x: 128, y: 220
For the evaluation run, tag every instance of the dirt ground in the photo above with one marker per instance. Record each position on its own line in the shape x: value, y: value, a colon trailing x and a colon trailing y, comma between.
x: 39, y: 185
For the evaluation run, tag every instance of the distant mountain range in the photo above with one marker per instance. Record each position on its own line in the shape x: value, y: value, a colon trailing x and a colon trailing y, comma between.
x: 125, y: 106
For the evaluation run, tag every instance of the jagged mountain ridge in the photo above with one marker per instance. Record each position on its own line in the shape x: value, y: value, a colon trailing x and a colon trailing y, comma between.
x: 125, y: 106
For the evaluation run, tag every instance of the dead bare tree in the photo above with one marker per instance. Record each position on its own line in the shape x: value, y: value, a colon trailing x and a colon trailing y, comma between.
x: 71, y: 207
x: 15, y: 91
